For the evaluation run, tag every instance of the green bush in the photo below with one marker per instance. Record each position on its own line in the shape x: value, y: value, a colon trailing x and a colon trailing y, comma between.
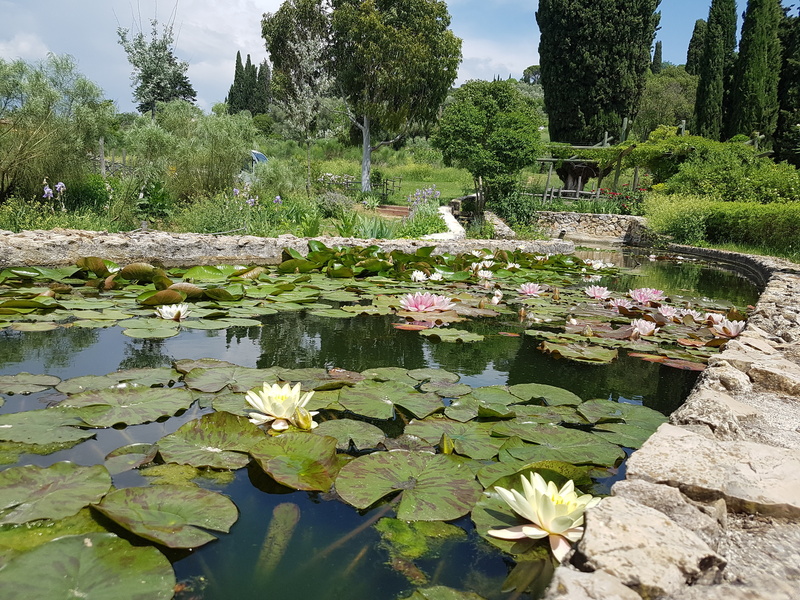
x: 681, y: 217
x: 516, y: 208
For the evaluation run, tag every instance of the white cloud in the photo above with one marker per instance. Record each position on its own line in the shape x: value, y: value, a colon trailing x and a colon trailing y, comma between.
x: 25, y: 46
x: 487, y: 59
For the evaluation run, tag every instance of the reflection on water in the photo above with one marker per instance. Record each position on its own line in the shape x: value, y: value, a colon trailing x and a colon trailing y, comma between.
x: 357, y: 568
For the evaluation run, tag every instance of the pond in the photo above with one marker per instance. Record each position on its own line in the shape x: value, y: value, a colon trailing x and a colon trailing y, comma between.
x: 380, y: 371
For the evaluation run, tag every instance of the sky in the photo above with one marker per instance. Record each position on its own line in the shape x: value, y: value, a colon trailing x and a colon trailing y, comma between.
x: 500, y: 37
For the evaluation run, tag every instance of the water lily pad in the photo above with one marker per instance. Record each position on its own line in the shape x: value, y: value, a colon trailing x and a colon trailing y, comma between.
x: 433, y: 487
x: 204, y: 273
x: 237, y: 379
x: 160, y: 297
x: 187, y: 364
x: 207, y: 324
x: 45, y: 426
x: 559, y: 443
x: 551, y: 395
x: 390, y: 374
x: 349, y: 431
x: 29, y: 493
x: 492, y: 512
x: 470, y: 439
x: 603, y: 411
x: 130, y: 405
x: 446, y: 389
x: 170, y: 515
x: 433, y: 375
x: 163, y: 331
x: 34, y: 326
x: 333, y: 313
x: 219, y: 440
x: 130, y: 457
x: 299, y: 460
x: 377, y: 399
x: 452, y: 335
x: 25, y: 383
x: 622, y: 434
x: 100, y: 566
x: 440, y: 592
x: 580, y: 352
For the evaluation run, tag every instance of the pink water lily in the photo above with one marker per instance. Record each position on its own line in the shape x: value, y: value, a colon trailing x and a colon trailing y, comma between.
x: 642, y: 327
x: 530, y: 289
x: 620, y: 303
x: 598, y: 292
x: 554, y: 513
x: 427, y: 302
x: 645, y: 295
x: 668, y: 311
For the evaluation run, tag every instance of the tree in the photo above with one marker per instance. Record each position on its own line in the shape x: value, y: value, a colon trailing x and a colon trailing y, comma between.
x: 51, y: 117
x: 235, y: 99
x: 668, y: 99
x: 395, y: 61
x: 158, y: 76
x: 297, y: 40
x: 715, y: 69
x: 492, y: 130
x: 532, y: 75
x: 787, y: 136
x: 655, y: 67
x: 594, y: 57
x: 754, y: 96
x: 250, y: 88
x: 694, y: 54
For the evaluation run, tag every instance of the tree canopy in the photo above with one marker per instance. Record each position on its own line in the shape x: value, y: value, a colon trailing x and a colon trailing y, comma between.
x: 694, y: 54
x: 594, y: 55
x: 787, y: 136
x: 158, y: 76
x: 668, y: 99
x: 395, y: 61
x: 492, y: 130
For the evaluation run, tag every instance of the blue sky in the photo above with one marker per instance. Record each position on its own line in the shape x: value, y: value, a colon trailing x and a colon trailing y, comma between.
x: 500, y: 37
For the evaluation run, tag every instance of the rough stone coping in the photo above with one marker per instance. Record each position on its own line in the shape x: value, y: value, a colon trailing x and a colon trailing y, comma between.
x: 710, y: 507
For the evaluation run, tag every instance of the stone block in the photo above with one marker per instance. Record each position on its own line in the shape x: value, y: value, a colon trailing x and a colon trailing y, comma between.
x: 569, y: 584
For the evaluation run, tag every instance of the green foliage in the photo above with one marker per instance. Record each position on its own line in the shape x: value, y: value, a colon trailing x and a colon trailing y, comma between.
x: 656, y: 65
x: 50, y: 119
x: 695, y: 52
x: 249, y: 90
x: 480, y: 229
x: 491, y: 130
x: 516, y: 208
x: 754, y: 93
x: 683, y: 218
x: 719, y: 44
x: 158, y: 76
x: 668, y: 99
x: 594, y: 55
x: 787, y: 136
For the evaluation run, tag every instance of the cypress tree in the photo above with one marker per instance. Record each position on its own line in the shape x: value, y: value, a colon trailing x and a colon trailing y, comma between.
x: 715, y: 68
x: 262, y: 96
x: 235, y: 99
x: 250, y: 86
x: 655, y: 67
x: 594, y: 57
x: 787, y: 136
x: 694, y: 54
x: 754, y: 94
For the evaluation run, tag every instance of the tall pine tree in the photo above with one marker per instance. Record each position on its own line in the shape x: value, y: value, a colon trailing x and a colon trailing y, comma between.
x: 787, y: 136
x: 235, y: 99
x: 715, y: 68
x: 655, y: 67
x: 694, y: 55
x: 594, y: 56
x: 754, y: 94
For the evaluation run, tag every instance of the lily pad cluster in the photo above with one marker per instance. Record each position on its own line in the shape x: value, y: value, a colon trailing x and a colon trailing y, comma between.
x: 420, y: 440
x: 544, y: 294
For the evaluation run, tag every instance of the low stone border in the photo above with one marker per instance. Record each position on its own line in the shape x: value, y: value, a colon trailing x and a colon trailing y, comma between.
x: 710, y: 507
x: 587, y: 228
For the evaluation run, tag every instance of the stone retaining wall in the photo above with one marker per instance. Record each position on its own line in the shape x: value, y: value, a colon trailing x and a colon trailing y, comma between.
x: 710, y: 507
x: 624, y: 228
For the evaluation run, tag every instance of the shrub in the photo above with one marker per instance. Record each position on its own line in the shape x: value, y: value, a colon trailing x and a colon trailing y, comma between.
x: 516, y: 208
x: 332, y: 204
x: 683, y: 217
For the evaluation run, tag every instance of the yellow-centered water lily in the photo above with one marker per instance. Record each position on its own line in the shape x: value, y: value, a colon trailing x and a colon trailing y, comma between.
x: 173, y: 312
x: 281, y: 406
x: 553, y: 513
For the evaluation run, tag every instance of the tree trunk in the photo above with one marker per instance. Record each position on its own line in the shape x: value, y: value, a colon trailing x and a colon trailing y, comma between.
x: 308, y: 168
x: 366, y: 156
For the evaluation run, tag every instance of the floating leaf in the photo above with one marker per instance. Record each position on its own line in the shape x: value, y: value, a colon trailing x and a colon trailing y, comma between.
x: 29, y: 493
x: 470, y: 439
x: 100, y: 566
x: 452, y: 335
x: 434, y: 487
x: 204, y: 273
x: 551, y: 395
x: 603, y: 411
x: 622, y: 434
x: 25, y: 383
x: 238, y: 379
x: 34, y: 326
x: 579, y: 352
x: 169, y: 514
x: 559, y: 443
x: 299, y: 460
x: 440, y: 592
x: 130, y: 405
x: 160, y: 297
x: 349, y: 431
x: 45, y: 426
x: 130, y: 457
x: 219, y: 440
x: 433, y: 375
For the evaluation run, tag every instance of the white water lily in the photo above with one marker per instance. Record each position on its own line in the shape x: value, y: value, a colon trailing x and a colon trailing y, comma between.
x: 280, y: 406
x: 419, y: 276
x: 553, y: 513
x: 729, y: 329
x: 173, y: 312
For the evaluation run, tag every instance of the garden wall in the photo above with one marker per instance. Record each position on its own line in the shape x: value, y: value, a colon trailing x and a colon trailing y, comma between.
x: 625, y: 229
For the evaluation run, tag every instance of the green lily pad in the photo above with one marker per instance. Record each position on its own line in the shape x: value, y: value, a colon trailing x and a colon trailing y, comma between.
x: 152, y: 333
x: 470, y: 439
x: 390, y: 374
x: 299, y: 460
x: 207, y: 324
x: 84, y: 383
x: 29, y: 493
x: 219, y: 440
x: 434, y: 487
x: 45, y: 426
x: 25, y: 383
x: 492, y: 512
x: 551, y: 395
x: 580, y: 352
x: 100, y: 566
x: 187, y: 364
x: 161, y: 297
x: 440, y: 592
x: 452, y: 335
x: 349, y: 431
x: 130, y: 457
x: 377, y: 399
x: 603, y: 411
x: 446, y: 389
x: 433, y: 375
x: 34, y: 326
x: 559, y: 443
x: 622, y: 434
x: 204, y: 273
x: 169, y: 514
x: 130, y: 405
x: 237, y: 379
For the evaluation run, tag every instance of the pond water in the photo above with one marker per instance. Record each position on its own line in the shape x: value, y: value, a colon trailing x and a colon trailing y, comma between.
x: 334, y: 550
